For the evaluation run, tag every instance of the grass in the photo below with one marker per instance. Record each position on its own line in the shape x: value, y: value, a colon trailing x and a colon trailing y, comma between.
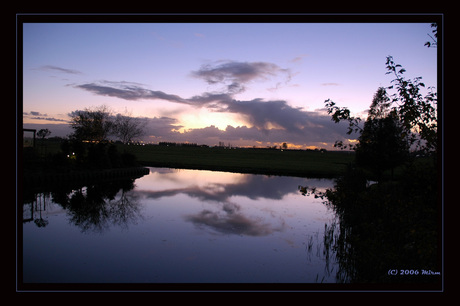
x: 300, y: 163
x: 257, y: 161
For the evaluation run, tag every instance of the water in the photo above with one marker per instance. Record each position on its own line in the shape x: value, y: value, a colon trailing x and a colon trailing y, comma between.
x: 179, y: 226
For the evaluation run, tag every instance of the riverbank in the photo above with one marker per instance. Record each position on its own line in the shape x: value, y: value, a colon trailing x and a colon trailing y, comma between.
x: 301, y: 163
x: 40, y: 179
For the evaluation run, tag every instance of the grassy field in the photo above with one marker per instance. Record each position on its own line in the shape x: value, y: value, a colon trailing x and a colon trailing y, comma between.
x: 327, y: 164
x: 257, y: 161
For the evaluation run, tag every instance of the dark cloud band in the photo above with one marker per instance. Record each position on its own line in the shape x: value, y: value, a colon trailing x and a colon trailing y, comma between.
x: 277, y: 117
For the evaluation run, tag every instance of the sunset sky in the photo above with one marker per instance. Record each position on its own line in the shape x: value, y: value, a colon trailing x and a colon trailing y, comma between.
x: 248, y: 84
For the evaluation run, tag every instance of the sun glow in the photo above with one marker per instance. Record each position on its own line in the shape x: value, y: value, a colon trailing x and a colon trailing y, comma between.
x: 205, y: 118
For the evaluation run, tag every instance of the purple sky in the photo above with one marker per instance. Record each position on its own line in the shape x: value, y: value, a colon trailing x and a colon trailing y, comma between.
x: 248, y: 84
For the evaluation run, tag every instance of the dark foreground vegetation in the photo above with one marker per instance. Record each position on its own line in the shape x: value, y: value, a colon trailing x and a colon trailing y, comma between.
x: 389, y: 227
x: 59, y: 162
x: 387, y: 231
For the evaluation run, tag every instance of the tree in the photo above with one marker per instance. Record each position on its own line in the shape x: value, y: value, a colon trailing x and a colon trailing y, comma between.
x: 93, y: 125
x: 382, y: 145
x: 417, y: 113
x: 43, y: 133
x: 98, y: 124
x: 380, y: 104
x: 434, y: 40
x: 371, y: 218
x: 383, y: 142
x: 127, y: 128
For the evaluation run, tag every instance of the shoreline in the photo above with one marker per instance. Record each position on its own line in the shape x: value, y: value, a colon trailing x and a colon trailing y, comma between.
x: 296, y: 163
x: 41, y: 179
x: 244, y: 170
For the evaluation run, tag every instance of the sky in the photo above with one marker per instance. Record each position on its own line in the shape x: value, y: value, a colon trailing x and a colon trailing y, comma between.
x: 248, y: 84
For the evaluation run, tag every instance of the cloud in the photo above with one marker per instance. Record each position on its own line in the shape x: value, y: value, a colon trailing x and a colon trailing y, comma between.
x: 235, y: 75
x: 319, y: 131
x: 39, y: 116
x: 59, y: 69
x: 229, y: 218
x: 49, y: 119
x: 33, y: 113
x: 298, y: 58
x: 210, y: 100
x: 267, y: 121
x: 266, y: 115
x: 231, y: 223
x: 161, y: 129
x: 128, y: 91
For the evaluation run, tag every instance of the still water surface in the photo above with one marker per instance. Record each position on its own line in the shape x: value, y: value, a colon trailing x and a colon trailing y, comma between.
x: 179, y: 226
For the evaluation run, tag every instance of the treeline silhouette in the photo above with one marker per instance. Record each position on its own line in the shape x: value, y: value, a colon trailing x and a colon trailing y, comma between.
x: 180, y: 144
x: 91, y: 207
x: 75, y: 155
x: 387, y: 202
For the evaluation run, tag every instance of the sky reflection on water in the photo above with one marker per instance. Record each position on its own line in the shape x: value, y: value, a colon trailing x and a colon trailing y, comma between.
x: 180, y: 226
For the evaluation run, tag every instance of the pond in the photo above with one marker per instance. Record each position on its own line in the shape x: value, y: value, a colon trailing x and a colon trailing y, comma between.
x: 179, y: 226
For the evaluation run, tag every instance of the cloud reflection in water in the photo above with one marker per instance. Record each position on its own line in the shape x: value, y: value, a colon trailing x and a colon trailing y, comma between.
x: 226, y: 217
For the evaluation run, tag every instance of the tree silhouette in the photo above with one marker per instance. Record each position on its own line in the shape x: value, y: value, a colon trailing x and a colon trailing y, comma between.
x: 434, y: 40
x: 127, y: 128
x: 43, y: 133
x: 382, y: 145
x: 91, y: 124
x: 417, y: 112
x: 380, y: 104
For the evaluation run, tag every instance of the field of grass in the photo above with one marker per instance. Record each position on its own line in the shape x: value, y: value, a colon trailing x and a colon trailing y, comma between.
x: 326, y: 164
x: 257, y: 161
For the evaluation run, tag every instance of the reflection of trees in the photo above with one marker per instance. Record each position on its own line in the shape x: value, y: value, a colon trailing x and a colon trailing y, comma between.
x: 324, y: 250
x: 94, y: 207
x: 383, y: 226
x: 34, y: 211
x: 102, y: 205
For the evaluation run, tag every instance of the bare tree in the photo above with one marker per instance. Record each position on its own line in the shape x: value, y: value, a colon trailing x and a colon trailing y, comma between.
x: 97, y: 124
x: 127, y: 128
